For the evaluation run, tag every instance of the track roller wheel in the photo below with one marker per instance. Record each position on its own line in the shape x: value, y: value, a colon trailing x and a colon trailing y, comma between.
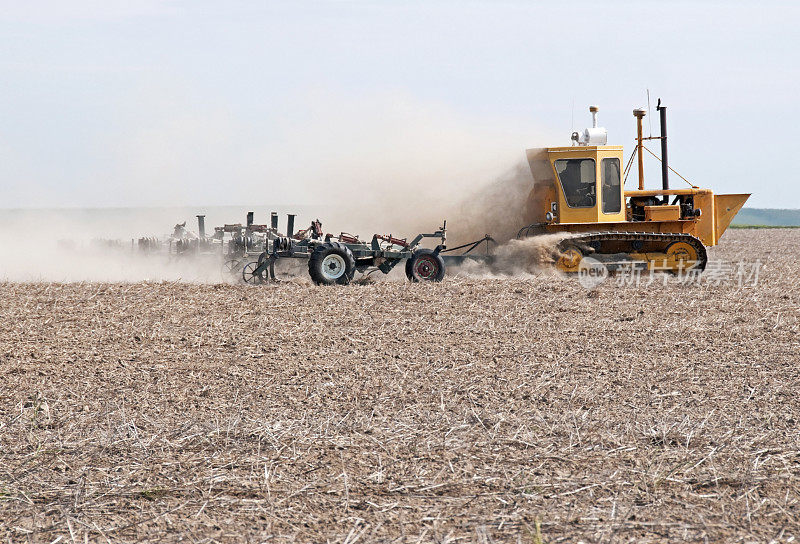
x: 332, y: 263
x: 684, y: 256
x: 569, y: 258
x: 425, y: 265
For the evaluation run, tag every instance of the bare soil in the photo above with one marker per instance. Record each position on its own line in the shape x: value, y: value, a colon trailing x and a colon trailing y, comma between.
x: 486, y: 410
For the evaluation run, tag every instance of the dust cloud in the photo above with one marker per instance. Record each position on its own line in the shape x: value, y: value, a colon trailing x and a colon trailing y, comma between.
x: 500, y: 208
x: 386, y: 166
x: 496, y: 206
x: 517, y: 257
x: 71, y: 245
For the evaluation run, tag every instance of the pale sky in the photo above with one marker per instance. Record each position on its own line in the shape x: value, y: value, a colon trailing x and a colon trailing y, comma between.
x: 114, y: 103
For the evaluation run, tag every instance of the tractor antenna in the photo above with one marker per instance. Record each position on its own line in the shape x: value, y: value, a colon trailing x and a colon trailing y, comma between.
x: 649, y: 117
x: 572, y: 120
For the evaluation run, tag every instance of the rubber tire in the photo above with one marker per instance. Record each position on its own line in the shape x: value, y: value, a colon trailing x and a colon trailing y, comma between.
x: 411, y: 263
x: 319, y: 254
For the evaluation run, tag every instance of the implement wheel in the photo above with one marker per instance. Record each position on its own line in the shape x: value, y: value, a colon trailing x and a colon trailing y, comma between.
x: 425, y: 265
x: 230, y: 269
x: 231, y: 266
x: 249, y: 276
x: 332, y: 263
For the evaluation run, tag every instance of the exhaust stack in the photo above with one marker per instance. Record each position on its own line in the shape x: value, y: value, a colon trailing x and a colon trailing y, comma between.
x: 273, y: 219
x: 290, y: 224
x: 662, y: 110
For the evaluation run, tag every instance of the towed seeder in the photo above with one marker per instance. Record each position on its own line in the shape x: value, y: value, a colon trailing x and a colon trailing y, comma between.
x: 335, y: 259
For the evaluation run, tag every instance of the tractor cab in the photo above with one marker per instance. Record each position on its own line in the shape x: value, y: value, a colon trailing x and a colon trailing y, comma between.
x: 588, y: 184
x: 577, y: 185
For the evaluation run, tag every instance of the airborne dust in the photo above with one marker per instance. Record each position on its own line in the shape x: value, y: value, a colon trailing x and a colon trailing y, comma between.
x: 399, y: 170
x: 102, y: 245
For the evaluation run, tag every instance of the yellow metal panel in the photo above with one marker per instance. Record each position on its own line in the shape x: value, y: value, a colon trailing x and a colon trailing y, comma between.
x: 725, y: 208
x: 662, y: 213
x: 704, y: 225
x: 538, y: 204
x: 544, y: 190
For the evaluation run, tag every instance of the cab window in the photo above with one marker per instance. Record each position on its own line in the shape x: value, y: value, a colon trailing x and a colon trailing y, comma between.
x: 577, y: 177
x: 610, y: 183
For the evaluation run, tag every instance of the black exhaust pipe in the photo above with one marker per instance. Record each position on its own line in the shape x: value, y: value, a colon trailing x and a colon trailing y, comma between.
x: 201, y: 226
x: 273, y: 218
x: 662, y: 110
x: 290, y: 225
x: 249, y: 219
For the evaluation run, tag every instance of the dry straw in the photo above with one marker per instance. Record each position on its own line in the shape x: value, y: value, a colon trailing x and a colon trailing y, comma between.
x: 471, y: 411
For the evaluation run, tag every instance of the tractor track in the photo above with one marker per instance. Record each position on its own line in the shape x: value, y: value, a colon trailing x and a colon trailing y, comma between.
x: 594, y: 239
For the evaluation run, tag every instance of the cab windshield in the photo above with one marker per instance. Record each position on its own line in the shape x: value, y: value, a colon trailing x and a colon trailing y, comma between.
x: 577, y: 177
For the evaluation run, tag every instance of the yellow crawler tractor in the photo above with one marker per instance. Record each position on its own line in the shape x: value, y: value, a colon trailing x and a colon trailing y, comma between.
x: 579, y: 190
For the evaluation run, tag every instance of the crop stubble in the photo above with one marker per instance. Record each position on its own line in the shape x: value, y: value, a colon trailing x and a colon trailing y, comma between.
x: 473, y: 410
